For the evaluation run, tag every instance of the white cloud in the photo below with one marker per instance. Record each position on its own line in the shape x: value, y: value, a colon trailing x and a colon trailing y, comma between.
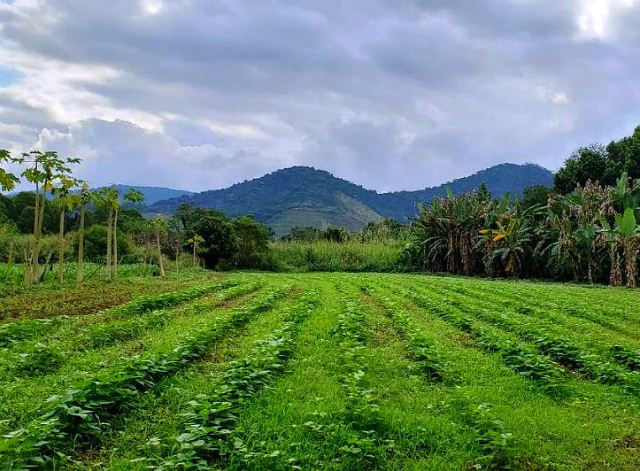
x: 404, y: 94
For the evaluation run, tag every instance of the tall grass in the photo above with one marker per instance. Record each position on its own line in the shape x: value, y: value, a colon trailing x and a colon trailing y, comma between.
x: 350, y: 256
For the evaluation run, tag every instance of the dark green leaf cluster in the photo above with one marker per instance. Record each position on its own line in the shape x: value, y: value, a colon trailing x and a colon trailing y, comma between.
x: 626, y: 357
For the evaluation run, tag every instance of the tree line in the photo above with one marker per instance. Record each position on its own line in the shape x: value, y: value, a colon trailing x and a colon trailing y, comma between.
x: 585, y: 228
x: 64, y: 218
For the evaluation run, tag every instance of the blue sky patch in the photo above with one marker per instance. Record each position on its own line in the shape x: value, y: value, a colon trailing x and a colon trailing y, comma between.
x: 8, y: 76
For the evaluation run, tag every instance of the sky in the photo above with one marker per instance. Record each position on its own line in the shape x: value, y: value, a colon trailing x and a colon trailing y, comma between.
x: 390, y: 94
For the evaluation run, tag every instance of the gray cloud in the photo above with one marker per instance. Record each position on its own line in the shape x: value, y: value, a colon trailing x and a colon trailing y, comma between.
x: 391, y: 94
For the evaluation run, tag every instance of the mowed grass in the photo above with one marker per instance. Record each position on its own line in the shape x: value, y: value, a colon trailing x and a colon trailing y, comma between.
x: 328, y: 371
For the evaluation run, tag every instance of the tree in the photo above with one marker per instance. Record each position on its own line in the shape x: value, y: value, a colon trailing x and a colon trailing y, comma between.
x: 219, y: 241
x: 195, y: 242
x: 536, y: 195
x: 252, y: 241
x: 44, y: 169
x: 63, y: 196
x: 445, y: 231
x: 81, y: 200
x: 623, y: 156
x: 159, y: 228
x: 131, y: 196
x: 95, y: 243
x: 508, y: 241
x: 585, y: 164
x: 7, y: 179
x: 108, y: 198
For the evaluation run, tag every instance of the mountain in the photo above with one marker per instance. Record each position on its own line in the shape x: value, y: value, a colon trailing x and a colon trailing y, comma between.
x: 305, y: 196
x: 153, y: 194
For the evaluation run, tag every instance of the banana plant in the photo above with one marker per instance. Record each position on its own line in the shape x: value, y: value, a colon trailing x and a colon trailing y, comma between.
x: 508, y: 241
x: 624, y: 234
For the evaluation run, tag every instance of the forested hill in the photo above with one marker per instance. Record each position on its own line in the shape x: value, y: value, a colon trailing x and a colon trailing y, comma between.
x: 304, y: 196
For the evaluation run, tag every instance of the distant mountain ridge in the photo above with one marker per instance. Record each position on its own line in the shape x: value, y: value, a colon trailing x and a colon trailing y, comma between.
x: 153, y: 194
x: 305, y: 196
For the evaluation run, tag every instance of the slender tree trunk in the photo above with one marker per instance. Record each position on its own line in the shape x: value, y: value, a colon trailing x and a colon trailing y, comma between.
x: 177, y: 267
x: 159, y: 254
x: 61, y: 247
x: 28, y: 275
x: 109, y: 242
x: 33, y: 275
x: 194, y: 254
x: 27, y: 267
x: 114, y: 270
x: 80, y: 273
x: 35, y: 262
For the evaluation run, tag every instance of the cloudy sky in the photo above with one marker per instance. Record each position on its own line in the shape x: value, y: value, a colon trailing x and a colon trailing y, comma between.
x: 391, y: 94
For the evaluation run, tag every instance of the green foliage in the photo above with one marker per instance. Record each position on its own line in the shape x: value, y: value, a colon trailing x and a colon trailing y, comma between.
x: 327, y: 371
x: 586, y: 164
x: 18, y: 331
x: 95, y: 243
x: 252, y: 242
x: 275, y: 199
x: 352, y: 256
x: 496, y: 443
x: 209, y: 420
x: 7, y: 179
x: 219, y: 241
x: 599, y: 164
x: 89, y: 407
x: 39, y: 360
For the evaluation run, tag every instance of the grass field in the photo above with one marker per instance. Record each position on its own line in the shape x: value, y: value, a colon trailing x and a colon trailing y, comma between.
x: 324, y: 371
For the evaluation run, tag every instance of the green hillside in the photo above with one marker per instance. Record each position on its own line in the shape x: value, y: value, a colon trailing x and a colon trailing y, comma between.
x: 304, y: 196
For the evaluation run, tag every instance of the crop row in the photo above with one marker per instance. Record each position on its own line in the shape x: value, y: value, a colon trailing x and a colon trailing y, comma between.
x: 567, y: 354
x: 423, y: 352
x: 563, y: 350
x: 562, y: 318
x: 495, y: 443
x: 40, y: 358
x: 559, y: 306
x: 211, y: 418
x: 75, y: 417
x: 523, y: 359
x: 361, y: 413
x: 29, y: 328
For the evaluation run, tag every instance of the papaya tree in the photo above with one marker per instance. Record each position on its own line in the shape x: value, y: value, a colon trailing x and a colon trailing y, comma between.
x: 80, y: 201
x: 7, y: 179
x: 108, y: 198
x: 44, y: 169
x: 132, y: 196
x: 63, y: 195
